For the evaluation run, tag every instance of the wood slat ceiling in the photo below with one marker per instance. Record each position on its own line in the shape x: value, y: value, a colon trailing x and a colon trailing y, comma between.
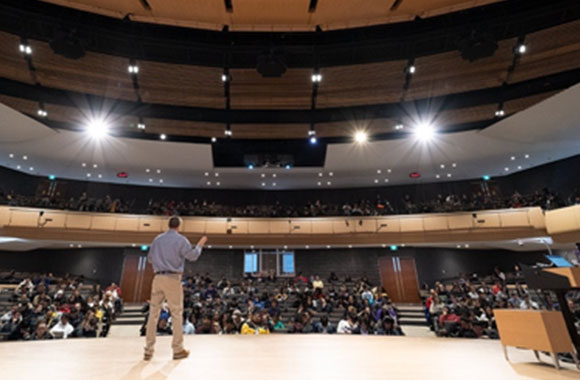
x: 549, y: 51
x: 262, y: 15
x: 78, y: 116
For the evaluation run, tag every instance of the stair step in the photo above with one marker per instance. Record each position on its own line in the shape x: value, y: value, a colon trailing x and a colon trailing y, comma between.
x: 128, y: 322
x: 131, y: 314
x: 413, y: 321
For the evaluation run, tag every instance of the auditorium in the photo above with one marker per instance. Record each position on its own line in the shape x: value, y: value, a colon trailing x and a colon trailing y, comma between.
x: 290, y: 189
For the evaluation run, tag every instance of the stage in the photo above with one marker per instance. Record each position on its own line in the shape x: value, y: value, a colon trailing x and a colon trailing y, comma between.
x: 280, y: 357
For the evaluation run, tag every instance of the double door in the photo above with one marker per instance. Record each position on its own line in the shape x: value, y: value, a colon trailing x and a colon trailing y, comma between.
x: 399, y: 278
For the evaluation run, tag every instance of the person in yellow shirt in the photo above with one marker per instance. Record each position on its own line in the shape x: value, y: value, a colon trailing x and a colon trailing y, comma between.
x: 255, y: 325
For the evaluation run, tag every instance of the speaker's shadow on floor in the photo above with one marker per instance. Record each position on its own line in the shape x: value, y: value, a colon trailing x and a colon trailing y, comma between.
x: 136, y: 372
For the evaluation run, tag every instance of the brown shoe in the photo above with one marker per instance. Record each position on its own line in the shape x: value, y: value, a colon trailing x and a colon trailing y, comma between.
x: 181, y: 355
x: 147, y: 357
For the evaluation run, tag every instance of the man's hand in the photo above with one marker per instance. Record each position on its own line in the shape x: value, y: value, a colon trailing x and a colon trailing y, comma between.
x: 202, y: 241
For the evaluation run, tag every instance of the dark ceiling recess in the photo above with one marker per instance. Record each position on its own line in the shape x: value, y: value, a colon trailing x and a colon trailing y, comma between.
x: 476, y: 45
x: 396, y: 5
x: 312, y: 6
x: 229, y: 6
x: 268, y: 153
x: 67, y: 44
x: 145, y: 4
x: 271, y: 65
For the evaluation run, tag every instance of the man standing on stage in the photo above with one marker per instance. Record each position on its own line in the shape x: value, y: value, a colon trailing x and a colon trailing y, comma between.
x: 167, y: 255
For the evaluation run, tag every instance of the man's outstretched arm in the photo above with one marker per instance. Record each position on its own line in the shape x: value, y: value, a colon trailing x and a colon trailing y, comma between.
x: 192, y: 253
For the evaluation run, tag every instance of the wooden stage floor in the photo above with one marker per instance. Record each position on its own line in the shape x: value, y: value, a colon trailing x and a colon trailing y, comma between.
x: 275, y: 357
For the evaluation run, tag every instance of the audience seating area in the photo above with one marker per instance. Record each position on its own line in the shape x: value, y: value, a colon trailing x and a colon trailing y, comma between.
x: 382, y: 205
x: 42, y: 306
x: 281, y: 305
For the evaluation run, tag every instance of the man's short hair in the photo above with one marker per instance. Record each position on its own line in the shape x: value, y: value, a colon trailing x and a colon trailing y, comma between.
x: 174, y: 222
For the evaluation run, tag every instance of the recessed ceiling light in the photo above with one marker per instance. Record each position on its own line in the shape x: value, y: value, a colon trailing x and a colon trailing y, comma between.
x: 307, y: 246
x: 95, y: 166
x: 31, y: 168
x: 437, y: 176
x: 527, y: 156
x: 388, y: 170
x: 213, y: 139
x: 274, y: 175
x: 458, y: 245
x: 386, y: 180
x: 263, y: 175
x: 163, y: 136
x: 319, y: 183
x: 329, y: 183
x: 466, y: 245
x: 384, y: 245
x: 71, y: 245
x: 398, y: 127
x: 11, y: 155
x: 376, y: 180
x: 522, y: 48
x: 150, y: 179
x: 519, y: 167
x: 328, y: 246
x: 147, y: 170
x: 231, y: 246
x: 84, y: 165
x: 512, y: 158
x: 331, y: 174
x: 158, y: 171
x: 25, y: 158
x: 18, y: 167
x: 273, y: 183
x: 218, y: 183
x: 506, y: 169
x: 100, y: 176
x: 217, y: 174
x: 448, y: 175
x: 442, y: 166
x: 208, y: 183
x: 379, y: 171
x: 285, y: 247
x: 160, y: 181
x: 89, y: 175
x: 79, y: 246
x: 320, y: 174
x: 361, y: 137
x: 206, y: 174
x: 350, y: 246
x: 263, y: 183
x: 454, y: 165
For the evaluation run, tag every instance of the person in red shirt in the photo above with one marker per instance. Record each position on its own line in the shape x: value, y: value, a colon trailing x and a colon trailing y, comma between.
x: 448, y: 316
x: 300, y: 278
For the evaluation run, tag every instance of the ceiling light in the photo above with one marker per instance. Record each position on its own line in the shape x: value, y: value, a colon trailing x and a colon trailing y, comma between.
x: 398, y: 127
x: 331, y: 174
x: 206, y: 174
x: 163, y: 136
x: 97, y: 128
x: 274, y: 175
x: 141, y: 126
x: 522, y: 48
x: 393, y: 247
x: 147, y: 170
x: 11, y: 155
x: 150, y: 179
x: 379, y: 171
x: 231, y: 246
x: 328, y: 247
x: 18, y: 167
x: 228, y: 132
x: 320, y: 174
x: 376, y: 180
x: 160, y: 181
x: 499, y: 113
x: 512, y: 158
x: 411, y: 69
x: 466, y: 245
x: 84, y: 165
x: 41, y: 112
x: 100, y: 176
x: 263, y: 183
x: 274, y: 184
x: 89, y: 175
x: 519, y: 167
x: 159, y: 171
x: 360, y: 137
x: 458, y: 245
x: 437, y: 176
x: 25, y: 48
x: 329, y: 183
x: 442, y: 166
x: 527, y: 156
x: 31, y: 168
x: 95, y: 166
x: 448, y: 175
x: 486, y: 178
x: 224, y: 78
x: 389, y: 170
x: 454, y: 165
x: 350, y: 246
x: 133, y: 68
x: 251, y: 166
x: 506, y: 169
x: 208, y: 183
x: 307, y: 246
x: 218, y: 183
x: 287, y: 167
x: 319, y: 183
x: 263, y: 175
x: 384, y: 245
x: 313, y: 140
x: 386, y: 180
x: 213, y: 139
x: 25, y: 158
x: 311, y: 132
x: 424, y: 132
x: 316, y: 78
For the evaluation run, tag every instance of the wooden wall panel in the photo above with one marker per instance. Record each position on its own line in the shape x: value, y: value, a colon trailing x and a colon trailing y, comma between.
x: 238, y: 226
x: 103, y: 223
x: 194, y: 226
x: 127, y: 223
x: 411, y: 224
x: 302, y: 226
x: 460, y: 222
x: 152, y: 224
x: 24, y: 218
x: 52, y: 219
x: 78, y: 221
x: 258, y: 227
x: 514, y: 219
x: 388, y: 225
x: 343, y: 226
x: 435, y: 223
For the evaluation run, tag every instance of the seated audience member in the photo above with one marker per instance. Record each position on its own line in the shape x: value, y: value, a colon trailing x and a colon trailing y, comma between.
x: 347, y: 325
x: 41, y: 332
x: 325, y: 327
x: 527, y: 303
x: 63, y: 328
x: 277, y: 323
x: 300, y: 278
x: 163, y: 327
x: 207, y: 326
x: 317, y: 283
x: 387, y: 327
x: 188, y: 326
x: 255, y: 324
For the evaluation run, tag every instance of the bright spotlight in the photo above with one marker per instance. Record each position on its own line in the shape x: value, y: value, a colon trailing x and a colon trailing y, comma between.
x: 361, y: 137
x: 313, y: 140
x: 97, y: 128
x: 424, y: 132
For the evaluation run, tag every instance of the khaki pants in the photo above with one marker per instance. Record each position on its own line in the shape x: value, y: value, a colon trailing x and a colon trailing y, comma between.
x: 166, y: 286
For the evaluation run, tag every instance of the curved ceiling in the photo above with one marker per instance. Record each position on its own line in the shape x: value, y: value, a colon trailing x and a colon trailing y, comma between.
x: 179, y: 92
x: 271, y: 15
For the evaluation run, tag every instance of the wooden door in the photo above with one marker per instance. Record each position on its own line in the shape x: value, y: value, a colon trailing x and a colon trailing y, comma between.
x: 136, y: 278
x: 399, y: 278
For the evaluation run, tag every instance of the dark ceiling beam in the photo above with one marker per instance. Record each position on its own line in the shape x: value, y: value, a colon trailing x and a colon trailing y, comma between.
x: 503, y: 20
x: 449, y: 102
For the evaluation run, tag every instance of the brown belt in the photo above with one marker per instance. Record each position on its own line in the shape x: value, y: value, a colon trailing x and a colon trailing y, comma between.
x: 168, y: 272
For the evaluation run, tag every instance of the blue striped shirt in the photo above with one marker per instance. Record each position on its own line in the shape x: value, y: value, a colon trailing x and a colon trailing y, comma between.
x: 169, y: 251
